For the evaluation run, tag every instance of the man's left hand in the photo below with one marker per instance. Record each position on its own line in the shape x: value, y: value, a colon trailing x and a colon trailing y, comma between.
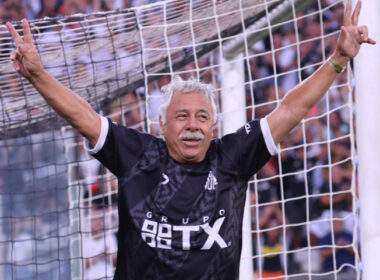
x: 351, y: 35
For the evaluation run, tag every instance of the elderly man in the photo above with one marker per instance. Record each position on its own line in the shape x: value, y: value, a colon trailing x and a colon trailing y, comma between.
x: 181, y: 199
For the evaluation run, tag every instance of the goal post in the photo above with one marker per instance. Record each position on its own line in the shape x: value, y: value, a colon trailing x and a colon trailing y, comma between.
x: 367, y: 73
x: 234, y: 117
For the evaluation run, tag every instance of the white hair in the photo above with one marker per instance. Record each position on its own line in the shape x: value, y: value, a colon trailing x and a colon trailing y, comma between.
x: 184, y: 86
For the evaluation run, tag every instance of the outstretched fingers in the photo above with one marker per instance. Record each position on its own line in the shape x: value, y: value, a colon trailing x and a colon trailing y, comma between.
x: 27, y: 38
x: 360, y: 34
x: 354, y: 19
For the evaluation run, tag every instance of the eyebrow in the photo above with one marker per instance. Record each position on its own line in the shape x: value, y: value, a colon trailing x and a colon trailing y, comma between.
x: 204, y: 111
x: 186, y: 111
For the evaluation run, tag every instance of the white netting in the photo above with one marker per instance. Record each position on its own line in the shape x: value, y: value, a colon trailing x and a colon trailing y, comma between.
x: 100, y: 54
x: 118, y: 61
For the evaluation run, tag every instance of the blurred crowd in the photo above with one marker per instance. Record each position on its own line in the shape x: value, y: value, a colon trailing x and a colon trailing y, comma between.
x: 303, y: 197
x: 32, y: 9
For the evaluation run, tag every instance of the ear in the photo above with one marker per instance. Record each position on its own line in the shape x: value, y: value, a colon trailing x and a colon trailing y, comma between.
x: 162, y: 129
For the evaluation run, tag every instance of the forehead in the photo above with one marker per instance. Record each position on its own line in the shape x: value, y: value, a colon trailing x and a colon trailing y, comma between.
x: 190, y: 101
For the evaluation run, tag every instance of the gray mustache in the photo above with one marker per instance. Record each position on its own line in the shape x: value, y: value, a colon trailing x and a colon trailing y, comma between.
x: 191, y: 135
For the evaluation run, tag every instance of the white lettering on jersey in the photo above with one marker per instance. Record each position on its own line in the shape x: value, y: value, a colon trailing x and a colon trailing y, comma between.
x: 248, y: 128
x: 148, y: 232
x: 186, y: 234
x: 213, y: 234
x: 164, y: 236
x: 211, y: 182
x: 160, y: 235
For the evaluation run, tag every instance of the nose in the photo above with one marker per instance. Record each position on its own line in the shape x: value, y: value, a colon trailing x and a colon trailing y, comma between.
x: 192, y: 124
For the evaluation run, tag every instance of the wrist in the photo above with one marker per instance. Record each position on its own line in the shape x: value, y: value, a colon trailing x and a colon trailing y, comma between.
x: 338, y: 62
x: 37, y: 76
x: 337, y: 67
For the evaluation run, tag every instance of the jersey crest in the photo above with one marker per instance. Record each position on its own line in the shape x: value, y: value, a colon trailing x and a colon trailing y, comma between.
x: 211, y: 182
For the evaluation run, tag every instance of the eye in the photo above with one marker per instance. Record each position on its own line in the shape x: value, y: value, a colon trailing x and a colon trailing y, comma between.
x: 181, y: 116
x: 203, y: 117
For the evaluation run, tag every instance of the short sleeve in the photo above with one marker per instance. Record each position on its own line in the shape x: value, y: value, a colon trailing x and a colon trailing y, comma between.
x: 267, y: 134
x: 250, y: 147
x: 102, y: 137
x: 119, y: 148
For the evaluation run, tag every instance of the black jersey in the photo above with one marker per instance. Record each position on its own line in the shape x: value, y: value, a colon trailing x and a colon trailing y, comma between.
x: 176, y: 220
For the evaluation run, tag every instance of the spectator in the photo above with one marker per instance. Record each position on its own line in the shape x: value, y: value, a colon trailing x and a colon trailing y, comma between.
x: 20, y: 252
x: 132, y: 115
x: 272, y: 243
x: 88, y: 167
x: 340, y: 241
x: 339, y: 188
x: 48, y: 8
x: 154, y: 101
x: 99, y: 250
x: 294, y: 183
x: 13, y: 10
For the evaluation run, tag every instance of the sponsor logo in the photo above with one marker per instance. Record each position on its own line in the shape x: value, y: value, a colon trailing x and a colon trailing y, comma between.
x: 160, y: 234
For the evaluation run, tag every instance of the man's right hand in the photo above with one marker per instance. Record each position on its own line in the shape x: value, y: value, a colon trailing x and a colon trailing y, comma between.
x: 25, y: 58
x: 74, y: 109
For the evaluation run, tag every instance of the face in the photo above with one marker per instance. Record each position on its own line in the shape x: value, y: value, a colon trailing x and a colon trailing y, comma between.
x: 188, y: 126
x: 338, y: 226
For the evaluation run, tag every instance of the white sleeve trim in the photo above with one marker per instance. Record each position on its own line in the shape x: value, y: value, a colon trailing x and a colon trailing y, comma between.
x: 267, y: 134
x: 104, y: 126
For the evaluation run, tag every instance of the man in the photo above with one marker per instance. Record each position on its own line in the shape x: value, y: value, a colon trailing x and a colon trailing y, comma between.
x: 339, y: 242
x: 99, y: 249
x: 181, y: 200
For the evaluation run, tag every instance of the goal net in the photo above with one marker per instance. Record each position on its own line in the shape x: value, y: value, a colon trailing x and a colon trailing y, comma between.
x: 58, y: 206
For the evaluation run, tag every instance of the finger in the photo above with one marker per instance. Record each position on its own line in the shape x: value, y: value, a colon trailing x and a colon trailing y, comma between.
x: 371, y: 41
x: 343, y: 33
x: 16, y: 65
x: 21, y: 50
x: 363, y: 30
x: 347, y: 14
x: 15, y: 58
x: 17, y: 55
x: 357, y: 35
x: 16, y: 37
x: 14, y: 55
x: 355, y: 14
x: 28, y: 37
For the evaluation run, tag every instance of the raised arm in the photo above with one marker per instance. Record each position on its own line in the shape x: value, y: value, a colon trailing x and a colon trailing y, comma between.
x: 304, y: 96
x: 75, y: 110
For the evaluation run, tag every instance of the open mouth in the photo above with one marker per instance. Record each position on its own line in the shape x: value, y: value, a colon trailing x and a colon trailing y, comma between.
x: 191, y: 141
